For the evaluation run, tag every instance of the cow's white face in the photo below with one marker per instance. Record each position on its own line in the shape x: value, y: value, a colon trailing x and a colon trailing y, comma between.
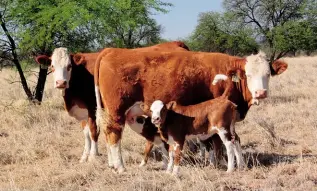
x: 258, y: 74
x: 158, y: 113
x: 61, y: 67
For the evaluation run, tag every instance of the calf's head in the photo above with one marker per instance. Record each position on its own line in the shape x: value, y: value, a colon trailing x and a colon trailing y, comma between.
x: 158, y: 113
x: 258, y: 71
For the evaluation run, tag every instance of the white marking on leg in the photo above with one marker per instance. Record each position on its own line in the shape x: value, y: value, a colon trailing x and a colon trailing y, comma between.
x: 87, y: 144
x: 117, y: 157
x: 176, y: 170
x: 110, y: 161
x: 93, y: 151
x: 171, y: 162
x: 238, y: 153
x: 230, y: 149
x: 143, y: 163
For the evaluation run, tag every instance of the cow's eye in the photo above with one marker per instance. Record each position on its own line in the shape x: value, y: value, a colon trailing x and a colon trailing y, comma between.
x: 52, y: 68
x: 69, y: 67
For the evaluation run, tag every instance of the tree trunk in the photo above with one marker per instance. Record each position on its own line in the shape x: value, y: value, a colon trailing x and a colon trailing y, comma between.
x: 16, y: 61
x: 39, y: 91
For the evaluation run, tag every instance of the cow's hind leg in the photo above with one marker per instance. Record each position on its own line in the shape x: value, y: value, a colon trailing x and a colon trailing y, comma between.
x: 114, y: 142
x: 148, y: 147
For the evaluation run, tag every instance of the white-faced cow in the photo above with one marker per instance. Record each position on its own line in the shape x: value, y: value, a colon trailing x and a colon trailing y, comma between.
x: 73, y: 74
x: 124, y: 77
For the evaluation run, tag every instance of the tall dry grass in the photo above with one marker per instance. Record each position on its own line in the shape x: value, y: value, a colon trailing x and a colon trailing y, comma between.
x: 40, y: 146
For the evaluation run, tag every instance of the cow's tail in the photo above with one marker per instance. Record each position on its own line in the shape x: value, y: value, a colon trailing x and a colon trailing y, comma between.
x: 102, y: 115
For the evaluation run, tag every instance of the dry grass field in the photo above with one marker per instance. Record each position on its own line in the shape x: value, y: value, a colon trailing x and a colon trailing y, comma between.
x: 40, y: 146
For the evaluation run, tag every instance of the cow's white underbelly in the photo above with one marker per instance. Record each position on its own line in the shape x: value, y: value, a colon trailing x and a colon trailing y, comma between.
x: 78, y: 113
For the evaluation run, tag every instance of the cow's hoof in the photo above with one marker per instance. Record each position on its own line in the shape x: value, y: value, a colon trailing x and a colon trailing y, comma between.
x: 230, y: 170
x: 92, y: 158
x: 83, y: 159
x: 142, y: 164
x: 120, y: 170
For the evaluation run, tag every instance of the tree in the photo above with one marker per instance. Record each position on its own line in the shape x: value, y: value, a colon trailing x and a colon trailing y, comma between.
x: 37, y: 27
x: 216, y: 33
x: 274, y: 22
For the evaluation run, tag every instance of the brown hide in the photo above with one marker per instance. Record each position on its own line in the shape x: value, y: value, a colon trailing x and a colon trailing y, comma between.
x: 81, y: 88
x: 126, y: 77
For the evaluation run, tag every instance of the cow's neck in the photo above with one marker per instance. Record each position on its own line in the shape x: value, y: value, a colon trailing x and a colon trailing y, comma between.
x: 245, y: 98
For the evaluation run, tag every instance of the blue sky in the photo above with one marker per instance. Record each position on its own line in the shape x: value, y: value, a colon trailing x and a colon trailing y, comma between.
x: 182, y: 18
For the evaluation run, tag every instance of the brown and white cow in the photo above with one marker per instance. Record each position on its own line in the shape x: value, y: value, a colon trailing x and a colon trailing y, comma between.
x: 73, y: 74
x: 176, y: 123
x: 124, y: 77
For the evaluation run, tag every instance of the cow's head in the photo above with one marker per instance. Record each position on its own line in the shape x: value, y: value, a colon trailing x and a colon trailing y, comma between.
x: 61, y: 63
x: 258, y: 72
x: 158, y: 113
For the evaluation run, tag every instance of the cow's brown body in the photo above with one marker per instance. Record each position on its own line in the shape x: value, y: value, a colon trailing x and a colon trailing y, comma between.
x: 79, y: 98
x: 125, y: 77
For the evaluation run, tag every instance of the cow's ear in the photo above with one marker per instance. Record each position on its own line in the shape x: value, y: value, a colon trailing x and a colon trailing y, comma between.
x: 78, y: 59
x: 171, y: 105
x: 43, y: 60
x: 278, y: 67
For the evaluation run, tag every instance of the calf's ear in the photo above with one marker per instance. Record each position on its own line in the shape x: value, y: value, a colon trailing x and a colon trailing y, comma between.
x: 278, y: 67
x: 171, y: 105
x: 43, y: 60
x: 78, y: 59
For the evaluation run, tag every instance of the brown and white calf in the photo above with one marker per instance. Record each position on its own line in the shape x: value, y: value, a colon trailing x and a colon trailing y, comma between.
x: 177, y: 123
x: 142, y: 125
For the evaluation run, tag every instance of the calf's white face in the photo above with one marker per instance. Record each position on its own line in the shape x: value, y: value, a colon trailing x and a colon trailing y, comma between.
x: 61, y: 67
x: 258, y: 74
x: 158, y: 112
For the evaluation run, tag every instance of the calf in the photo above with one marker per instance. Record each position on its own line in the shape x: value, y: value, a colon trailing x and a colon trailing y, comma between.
x: 144, y: 127
x: 202, y: 120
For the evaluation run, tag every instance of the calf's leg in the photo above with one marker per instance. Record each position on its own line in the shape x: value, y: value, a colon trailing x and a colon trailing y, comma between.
x: 224, y: 135
x: 148, y: 147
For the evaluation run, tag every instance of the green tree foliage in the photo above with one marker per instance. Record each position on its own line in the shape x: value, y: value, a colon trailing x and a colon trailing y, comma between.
x: 216, y: 33
x: 36, y: 27
x: 283, y: 25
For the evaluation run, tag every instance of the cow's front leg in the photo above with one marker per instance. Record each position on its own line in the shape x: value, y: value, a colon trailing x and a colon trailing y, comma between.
x: 94, y: 134
x: 86, y: 151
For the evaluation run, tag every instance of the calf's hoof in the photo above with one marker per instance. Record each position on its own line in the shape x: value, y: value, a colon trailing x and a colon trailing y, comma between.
x: 142, y: 164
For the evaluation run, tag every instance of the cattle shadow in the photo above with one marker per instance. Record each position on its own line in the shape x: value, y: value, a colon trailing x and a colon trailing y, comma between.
x: 252, y: 159
x: 257, y: 159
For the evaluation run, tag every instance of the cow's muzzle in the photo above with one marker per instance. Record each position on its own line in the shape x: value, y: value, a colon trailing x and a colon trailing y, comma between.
x: 260, y: 94
x: 61, y: 84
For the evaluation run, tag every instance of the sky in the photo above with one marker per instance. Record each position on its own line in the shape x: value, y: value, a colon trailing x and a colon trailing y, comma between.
x: 182, y: 18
